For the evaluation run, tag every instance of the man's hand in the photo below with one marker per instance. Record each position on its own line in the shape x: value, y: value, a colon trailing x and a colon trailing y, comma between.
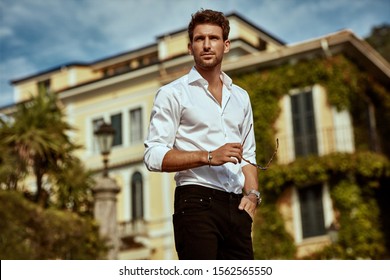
x: 230, y: 152
x: 249, y: 204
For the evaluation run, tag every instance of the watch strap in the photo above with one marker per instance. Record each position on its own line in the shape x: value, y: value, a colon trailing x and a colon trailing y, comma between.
x: 256, y: 193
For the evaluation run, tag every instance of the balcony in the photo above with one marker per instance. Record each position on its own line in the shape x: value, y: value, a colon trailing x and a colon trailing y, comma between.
x: 323, y: 142
x: 129, y: 231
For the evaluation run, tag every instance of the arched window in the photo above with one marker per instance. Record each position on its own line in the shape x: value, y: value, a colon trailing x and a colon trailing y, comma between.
x: 137, y: 197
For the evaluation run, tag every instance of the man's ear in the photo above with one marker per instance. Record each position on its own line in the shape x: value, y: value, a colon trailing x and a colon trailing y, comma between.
x: 227, y: 46
x: 189, y: 48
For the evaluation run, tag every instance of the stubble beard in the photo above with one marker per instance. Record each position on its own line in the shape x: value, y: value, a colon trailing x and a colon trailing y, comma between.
x: 207, y: 64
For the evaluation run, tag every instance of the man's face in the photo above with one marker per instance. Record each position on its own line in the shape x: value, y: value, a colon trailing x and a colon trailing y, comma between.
x: 208, y: 46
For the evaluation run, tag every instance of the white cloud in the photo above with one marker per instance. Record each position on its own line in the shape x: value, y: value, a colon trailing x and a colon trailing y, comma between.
x: 9, y: 70
x: 5, y: 32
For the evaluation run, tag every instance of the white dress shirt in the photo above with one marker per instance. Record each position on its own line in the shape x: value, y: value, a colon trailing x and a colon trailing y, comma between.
x: 185, y: 116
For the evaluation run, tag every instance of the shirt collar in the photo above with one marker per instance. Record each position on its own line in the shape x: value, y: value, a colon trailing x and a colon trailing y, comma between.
x: 194, y: 76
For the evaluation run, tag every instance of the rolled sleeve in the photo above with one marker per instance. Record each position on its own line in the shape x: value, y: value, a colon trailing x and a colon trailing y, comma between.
x: 154, y: 155
x: 162, y: 130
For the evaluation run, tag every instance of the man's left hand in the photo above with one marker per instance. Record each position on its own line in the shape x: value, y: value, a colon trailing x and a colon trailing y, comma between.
x: 249, y: 204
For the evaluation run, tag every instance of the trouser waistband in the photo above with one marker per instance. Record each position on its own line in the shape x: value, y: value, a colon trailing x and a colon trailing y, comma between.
x: 197, y: 189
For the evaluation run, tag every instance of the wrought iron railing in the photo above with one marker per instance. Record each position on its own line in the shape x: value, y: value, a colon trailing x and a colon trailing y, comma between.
x: 326, y: 141
x: 132, y: 228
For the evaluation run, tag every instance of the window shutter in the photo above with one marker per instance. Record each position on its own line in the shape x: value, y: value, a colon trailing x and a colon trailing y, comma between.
x: 303, y: 119
x: 312, y: 211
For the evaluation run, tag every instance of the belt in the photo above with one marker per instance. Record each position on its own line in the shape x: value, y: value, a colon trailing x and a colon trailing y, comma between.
x: 217, y: 194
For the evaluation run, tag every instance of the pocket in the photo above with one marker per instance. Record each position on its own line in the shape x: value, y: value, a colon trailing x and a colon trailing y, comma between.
x: 192, y: 204
x: 247, y: 215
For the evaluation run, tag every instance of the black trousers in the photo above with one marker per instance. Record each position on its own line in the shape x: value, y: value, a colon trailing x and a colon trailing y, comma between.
x: 209, y: 226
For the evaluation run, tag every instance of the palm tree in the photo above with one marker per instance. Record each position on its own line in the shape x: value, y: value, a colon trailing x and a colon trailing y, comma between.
x: 77, y: 195
x: 12, y: 170
x: 39, y: 138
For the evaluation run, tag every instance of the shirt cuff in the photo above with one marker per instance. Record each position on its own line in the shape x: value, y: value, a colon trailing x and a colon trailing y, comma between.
x: 154, y: 156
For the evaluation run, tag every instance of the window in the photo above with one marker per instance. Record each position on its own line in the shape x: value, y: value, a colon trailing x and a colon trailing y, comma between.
x: 312, y: 211
x: 304, y: 127
x: 116, y: 122
x: 128, y: 128
x: 137, y: 197
x: 44, y: 86
x: 136, y: 134
x: 96, y: 124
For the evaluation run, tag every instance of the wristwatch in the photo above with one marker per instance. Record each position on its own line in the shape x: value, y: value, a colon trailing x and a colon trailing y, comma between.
x: 256, y: 193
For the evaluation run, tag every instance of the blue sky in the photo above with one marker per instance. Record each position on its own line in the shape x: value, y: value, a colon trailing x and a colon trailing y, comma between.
x: 36, y: 35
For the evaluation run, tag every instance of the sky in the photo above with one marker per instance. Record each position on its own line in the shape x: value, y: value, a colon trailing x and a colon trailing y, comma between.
x: 37, y: 35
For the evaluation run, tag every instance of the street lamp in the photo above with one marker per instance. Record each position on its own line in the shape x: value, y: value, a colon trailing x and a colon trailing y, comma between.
x: 105, y: 192
x: 105, y: 137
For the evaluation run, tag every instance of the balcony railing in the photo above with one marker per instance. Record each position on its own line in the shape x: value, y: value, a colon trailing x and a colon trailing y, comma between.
x: 327, y: 140
x: 132, y: 228
x: 129, y: 231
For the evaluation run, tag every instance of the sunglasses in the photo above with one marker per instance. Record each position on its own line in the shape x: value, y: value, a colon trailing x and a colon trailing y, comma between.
x: 272, y: 157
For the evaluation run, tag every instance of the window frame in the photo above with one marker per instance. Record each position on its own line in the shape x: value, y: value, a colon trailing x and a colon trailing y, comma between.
x: 328, y: 214
x: 118, y: 137
x: 137, y: 197
x: 126, y: 140
x: 306, y: 122
x: 138, y: 127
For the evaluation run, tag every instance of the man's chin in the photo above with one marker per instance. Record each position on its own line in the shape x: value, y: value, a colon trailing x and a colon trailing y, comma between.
x: 208, y: 64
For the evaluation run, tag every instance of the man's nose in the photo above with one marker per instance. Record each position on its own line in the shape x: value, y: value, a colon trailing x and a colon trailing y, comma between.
x: 206, y: 44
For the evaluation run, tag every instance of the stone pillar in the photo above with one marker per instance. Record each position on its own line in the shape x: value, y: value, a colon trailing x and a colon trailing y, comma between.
x: 105, y: 192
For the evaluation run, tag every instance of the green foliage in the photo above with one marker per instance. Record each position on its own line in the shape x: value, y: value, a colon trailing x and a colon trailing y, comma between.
x: 12, y: 170
x: 28, y: 231
x: 366, y: 167
x: 37, y: 138
x: 352, y: 180
x: 37, y: 144
x: 347, y: 87
x: 72, y: 187
x: 380, y: 39
x: 270, y: 238
x: 360, y: 235
x: 364, y: 239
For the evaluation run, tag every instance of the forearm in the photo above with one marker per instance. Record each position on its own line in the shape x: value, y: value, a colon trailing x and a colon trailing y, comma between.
x: 251, y: 178
x: 176, y: 160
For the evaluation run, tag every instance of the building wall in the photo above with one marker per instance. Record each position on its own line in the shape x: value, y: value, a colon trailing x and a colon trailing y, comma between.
x: 59, y: 79
x: 127, y: 159
x: 334, y: 127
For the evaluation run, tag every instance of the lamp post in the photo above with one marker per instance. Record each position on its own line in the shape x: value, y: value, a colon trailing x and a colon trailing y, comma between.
x: 105, y: 192
x: 333, y: 232
x: 105, y: 137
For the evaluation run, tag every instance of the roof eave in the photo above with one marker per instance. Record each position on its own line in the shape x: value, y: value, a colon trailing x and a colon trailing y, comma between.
x: 328, y: 45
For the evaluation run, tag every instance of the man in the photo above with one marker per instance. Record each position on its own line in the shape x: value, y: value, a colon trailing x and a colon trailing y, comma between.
x: 201, y: 128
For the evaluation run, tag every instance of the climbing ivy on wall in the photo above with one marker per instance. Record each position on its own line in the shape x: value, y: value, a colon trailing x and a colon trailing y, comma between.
x: 352, y: 177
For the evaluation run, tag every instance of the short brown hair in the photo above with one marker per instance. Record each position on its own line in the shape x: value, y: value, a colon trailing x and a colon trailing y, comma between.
x: 212, y: 17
